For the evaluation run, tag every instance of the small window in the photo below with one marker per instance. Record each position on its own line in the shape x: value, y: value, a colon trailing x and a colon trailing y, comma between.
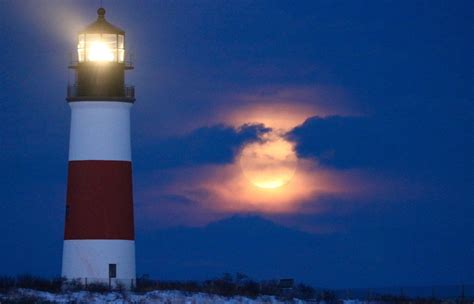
x: 112, y: 270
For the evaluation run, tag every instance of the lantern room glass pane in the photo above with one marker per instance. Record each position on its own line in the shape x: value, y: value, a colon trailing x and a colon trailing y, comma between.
x: 80, y: 55
x: 121, y: 48
x: 80, y: 41
x: 80, y: 47
x: 121, y: 42
x: 110, y: 42
x: 121, y: 55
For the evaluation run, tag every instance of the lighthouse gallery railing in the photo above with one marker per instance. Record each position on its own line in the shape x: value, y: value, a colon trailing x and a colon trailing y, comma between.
x: 72, y: 92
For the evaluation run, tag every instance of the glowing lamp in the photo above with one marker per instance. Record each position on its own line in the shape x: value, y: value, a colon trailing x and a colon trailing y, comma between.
x: 101, y: 41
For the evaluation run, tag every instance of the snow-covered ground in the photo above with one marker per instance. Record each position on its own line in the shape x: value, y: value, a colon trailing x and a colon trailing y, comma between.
x: 168, y: 297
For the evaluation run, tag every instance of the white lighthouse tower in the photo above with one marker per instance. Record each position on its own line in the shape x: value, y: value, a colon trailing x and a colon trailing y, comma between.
x: 99, y: 240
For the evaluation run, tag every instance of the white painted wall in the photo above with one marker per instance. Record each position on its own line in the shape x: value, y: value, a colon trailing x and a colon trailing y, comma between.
x: 100, y: 130
x: 91, y: 258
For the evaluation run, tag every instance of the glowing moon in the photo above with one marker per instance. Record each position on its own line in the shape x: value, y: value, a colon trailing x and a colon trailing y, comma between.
x: 270, y: 164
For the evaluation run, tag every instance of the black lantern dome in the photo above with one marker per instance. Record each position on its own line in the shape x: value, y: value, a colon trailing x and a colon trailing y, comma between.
x: 100, y: 66
x: 101, y: 25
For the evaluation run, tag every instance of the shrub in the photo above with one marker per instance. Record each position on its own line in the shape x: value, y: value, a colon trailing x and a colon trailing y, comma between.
x: 7, y: 283
x: 97, y: 287
x: 144, y: 284
x: 222, y: 286
x: 72, y: 285
x: 328, y: 297
x: 37, y: 283
x: 25, y: 299
x: 248, y: 288
x: 303, y: 291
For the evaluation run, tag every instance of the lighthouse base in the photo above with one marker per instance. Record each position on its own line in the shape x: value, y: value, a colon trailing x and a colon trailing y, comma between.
x: 110, y: 262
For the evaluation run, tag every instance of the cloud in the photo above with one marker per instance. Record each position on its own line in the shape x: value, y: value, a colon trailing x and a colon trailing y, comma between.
x: 360, y: 142
x: 284, y: 107
x: 195, y: 196
x: 217, y: 144
x: 336, y: 141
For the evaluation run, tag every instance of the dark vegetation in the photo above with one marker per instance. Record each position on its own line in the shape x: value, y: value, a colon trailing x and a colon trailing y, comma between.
x: 25, y: 300
x: 230, y: 285
x: 31, y: 282
x: 227, y: 285
x: 9, y: 284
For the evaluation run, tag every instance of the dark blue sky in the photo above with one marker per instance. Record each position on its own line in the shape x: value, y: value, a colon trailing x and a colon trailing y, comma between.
x: 391, y: 85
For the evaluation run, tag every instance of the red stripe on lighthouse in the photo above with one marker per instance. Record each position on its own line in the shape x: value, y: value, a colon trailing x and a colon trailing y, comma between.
x: 99, y: 200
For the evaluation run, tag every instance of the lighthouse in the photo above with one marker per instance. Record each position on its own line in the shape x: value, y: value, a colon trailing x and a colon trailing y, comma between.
x: 99, y: 238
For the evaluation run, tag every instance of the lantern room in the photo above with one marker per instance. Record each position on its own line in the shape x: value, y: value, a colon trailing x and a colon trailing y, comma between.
x: 101, y: 41
x: 100, y: 64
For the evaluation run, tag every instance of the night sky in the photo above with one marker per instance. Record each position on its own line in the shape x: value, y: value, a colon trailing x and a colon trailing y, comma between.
x: 328, y: 141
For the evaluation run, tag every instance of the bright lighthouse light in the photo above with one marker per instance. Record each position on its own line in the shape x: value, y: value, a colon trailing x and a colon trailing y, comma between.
x: 101, y: 41
x: 99, y: 51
